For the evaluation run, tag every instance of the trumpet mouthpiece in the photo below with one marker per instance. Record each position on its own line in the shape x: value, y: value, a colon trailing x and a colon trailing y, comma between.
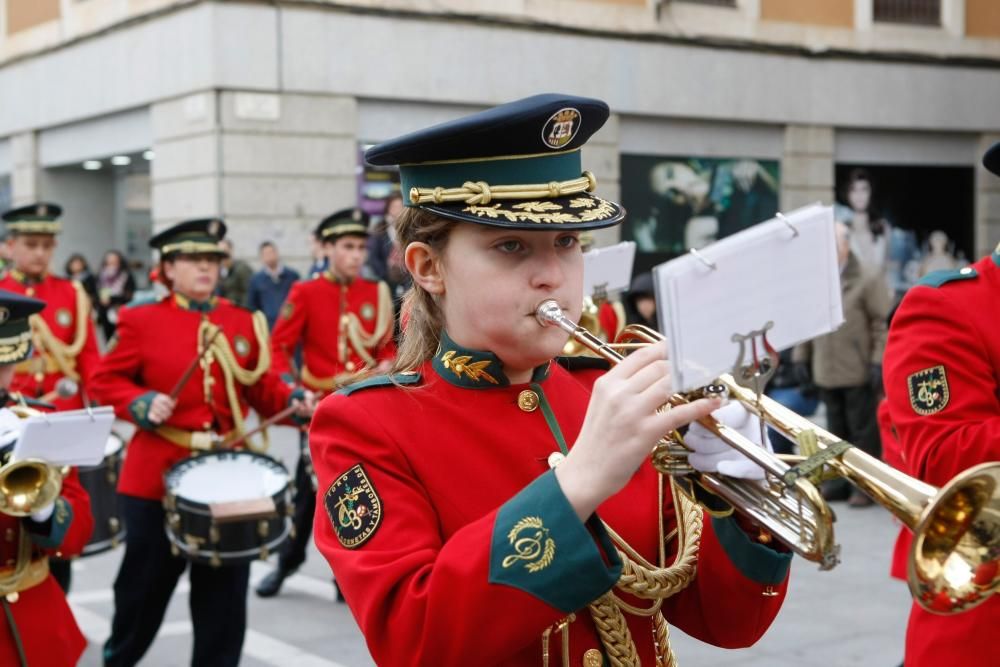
x: 548, y: 313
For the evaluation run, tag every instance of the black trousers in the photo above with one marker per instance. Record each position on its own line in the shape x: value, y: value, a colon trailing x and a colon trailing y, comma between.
x: 62, y: 572
x: 146, y: 581
x: 851, y: 415
x: 294, y: 553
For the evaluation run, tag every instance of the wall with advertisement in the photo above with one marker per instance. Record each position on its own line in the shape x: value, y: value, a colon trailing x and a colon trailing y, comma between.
x: 675, y: 203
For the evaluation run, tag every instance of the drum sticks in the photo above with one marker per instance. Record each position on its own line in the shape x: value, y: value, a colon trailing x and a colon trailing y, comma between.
x: 175, y: 392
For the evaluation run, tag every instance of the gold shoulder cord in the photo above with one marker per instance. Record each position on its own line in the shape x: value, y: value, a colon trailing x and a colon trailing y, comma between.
x: 221, y: 352
x: 644, y: 580
x: 360, y: 340
x: 48, y: 345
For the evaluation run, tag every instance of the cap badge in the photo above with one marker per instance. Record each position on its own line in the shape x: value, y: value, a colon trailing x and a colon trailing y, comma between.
x: 4, y: 314
x: 213, y: 228
x: 356, y: 215
x: 43, y: 211
x: 561, y: 127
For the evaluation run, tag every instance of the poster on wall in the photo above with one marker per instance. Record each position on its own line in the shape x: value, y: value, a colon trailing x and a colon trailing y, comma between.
x: 678, y: 203
x: 906, y: 220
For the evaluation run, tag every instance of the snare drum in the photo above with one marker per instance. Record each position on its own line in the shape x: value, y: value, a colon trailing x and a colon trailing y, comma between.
x: 101, y: 483
x: 227, y: 508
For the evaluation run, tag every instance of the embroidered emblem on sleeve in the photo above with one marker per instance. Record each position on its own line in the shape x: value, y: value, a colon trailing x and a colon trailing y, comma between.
x: 532, y: 545
x: 928, y: 390
x: 354, y: 508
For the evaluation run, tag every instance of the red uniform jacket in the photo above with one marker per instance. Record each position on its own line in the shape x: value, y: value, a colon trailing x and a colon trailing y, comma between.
x: 43, y: 619
x: 65, y: 302
x: 432, y: 495
x: 342, y: 329
x: 156, y: 343
x: 942, y: 381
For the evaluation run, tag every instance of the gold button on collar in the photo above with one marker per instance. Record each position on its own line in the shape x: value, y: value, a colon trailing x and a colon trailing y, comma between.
x: 527, y: 400
x: 593, y: 658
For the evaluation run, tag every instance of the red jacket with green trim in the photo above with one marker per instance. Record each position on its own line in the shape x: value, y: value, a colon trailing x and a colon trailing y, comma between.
x: 942, y: 380
x: 156, y: 342
x: 42, y: 618
x: 454, y: 545
x: 60, y: 296
x: 331, y: 321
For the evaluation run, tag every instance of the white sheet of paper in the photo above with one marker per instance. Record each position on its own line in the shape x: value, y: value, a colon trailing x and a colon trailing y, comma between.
x: 608, y: 268
x: 762, y: 274
x: 73, y: 438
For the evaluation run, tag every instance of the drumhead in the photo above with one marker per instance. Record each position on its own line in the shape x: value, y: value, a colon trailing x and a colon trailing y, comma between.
x: 226, y: 477
x: 113, y: 445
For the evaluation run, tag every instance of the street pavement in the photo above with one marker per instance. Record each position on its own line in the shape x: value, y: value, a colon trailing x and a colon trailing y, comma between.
x: 852, y: 615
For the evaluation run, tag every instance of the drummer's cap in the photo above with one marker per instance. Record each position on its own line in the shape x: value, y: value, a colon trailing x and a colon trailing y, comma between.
x: 39, y: 218
x: 192, y: 237
x: 345, y: 222
x: 15, y: 331
x: 991, y: 159
x: 466, y: 169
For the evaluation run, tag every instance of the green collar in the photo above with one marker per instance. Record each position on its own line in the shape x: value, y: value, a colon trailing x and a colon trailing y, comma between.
x: 996, y: 255
x: 328, y: 274
x: 474, y: 369
x: 185, y: 303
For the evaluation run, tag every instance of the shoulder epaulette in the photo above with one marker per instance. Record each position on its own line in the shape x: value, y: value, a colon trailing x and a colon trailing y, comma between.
x: 583, y: 363
x: 381, y: 381
x: 939, y: 278
x: 144, y: 301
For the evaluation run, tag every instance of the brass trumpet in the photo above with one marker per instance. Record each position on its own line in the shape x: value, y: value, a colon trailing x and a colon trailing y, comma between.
x: 28, y: 485
x: 954, y: 562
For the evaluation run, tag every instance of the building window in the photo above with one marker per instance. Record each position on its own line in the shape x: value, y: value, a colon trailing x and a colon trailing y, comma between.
x: 714, y: 3
x: 912, y: 12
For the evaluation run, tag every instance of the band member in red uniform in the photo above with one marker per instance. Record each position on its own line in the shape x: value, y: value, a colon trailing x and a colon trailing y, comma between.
x: 453, y: 541
x: 942, y: 380
x: 64, y: 331
x: 37, y: 627
x: 65, y: 349
x: 155, y: 341
x: 344, y: 324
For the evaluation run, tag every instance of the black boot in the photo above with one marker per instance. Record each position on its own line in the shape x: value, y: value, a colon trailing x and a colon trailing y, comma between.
x: 270, y: 585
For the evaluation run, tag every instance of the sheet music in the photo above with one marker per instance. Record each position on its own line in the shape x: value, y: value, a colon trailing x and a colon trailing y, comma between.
x: 608, y: 269
x: 764, y: 273
x: 72, y: 438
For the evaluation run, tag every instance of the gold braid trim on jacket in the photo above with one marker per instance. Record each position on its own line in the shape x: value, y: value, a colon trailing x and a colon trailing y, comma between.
x: 644, y: 580
x: 221, y: 352
x: 360, y: 340
x: 51, y: 348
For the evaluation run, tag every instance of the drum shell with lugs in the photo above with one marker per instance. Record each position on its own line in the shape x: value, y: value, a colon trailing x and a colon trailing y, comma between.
x: 223, y: 533
x: 101, y: 482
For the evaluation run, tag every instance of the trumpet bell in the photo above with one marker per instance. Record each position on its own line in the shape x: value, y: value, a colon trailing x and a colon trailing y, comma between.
x: 954, y: 560
x: 27, y: 486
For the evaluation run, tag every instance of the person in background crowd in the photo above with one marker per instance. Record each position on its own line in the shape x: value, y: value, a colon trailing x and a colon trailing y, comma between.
x: 37, y: 626
x: 269, y: 287
x: 235, y: 277
x: 5, y: 257
x: 115, y: 288
x: 795, y: 393
x: 640, y: 302
x: 942, y: 384
x: 78, y: 269
x: 380, y: 243
x: 846, y: 365
x: 320, y: 261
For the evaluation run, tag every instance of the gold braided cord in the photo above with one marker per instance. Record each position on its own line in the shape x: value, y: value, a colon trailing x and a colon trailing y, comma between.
x: 48, y: 345
x: 644, y: 580
x: 481, y: 193
x: 221, y: 352
x: 11, y: 582
x: 360, y: 340
x: 614, y: 632
x: 661, y: 638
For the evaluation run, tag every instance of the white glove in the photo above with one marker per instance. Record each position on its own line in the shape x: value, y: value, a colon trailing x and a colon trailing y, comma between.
x: 42, y: 515
x: 710, y: 454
